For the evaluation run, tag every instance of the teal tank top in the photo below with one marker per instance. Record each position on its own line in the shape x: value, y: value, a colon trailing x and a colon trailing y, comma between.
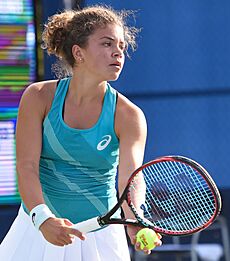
x: 78, y: 167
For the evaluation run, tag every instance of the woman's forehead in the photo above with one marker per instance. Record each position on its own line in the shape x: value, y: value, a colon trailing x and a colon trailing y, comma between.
x: 110, y: 30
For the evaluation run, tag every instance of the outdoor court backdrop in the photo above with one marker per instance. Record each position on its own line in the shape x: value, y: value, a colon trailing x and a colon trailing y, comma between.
x: 180, y: 77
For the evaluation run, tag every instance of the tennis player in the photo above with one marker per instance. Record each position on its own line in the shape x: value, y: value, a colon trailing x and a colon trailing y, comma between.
x: 72, y: 134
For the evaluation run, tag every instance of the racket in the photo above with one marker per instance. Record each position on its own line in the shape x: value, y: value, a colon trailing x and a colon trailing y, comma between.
x: 173, y: 195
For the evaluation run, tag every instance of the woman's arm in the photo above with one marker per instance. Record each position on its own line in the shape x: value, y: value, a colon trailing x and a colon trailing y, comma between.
x: 32, y: 110
x: 131, y: 128
x: 28, y: 145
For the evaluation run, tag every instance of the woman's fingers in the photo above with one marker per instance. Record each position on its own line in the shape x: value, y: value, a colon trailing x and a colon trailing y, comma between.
x: 60, y: 231
x: 138, y: 248
x: 74, y: 232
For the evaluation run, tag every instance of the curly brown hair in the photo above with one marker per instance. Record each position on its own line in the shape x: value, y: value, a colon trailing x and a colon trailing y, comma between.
x: 71, y: 27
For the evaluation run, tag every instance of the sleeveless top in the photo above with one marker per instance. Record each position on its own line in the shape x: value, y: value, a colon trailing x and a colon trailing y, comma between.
x: 78, y: 166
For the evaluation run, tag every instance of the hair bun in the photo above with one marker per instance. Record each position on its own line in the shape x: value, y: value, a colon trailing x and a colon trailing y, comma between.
x: 56, y: 32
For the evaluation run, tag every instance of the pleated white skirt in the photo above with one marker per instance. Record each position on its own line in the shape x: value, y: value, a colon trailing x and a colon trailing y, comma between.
x: 24, y: 243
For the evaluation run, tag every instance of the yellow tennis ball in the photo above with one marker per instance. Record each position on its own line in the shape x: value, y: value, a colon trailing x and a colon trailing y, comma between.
x: 147, y: 238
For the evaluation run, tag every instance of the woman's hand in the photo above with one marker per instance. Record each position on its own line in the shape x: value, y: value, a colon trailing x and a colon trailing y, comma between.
x: 59, y: 231
x: 132, y: 231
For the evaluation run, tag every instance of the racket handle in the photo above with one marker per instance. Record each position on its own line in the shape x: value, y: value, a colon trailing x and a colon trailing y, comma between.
x: 87, y: 225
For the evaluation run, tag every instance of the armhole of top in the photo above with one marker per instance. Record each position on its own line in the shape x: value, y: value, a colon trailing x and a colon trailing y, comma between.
x: 55, y: 94
x: 114, y: 116
x: 116, y: 97
x: 58, y: 82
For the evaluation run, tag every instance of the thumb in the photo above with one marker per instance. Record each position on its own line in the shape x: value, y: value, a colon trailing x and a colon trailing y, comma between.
x: 67, y: 222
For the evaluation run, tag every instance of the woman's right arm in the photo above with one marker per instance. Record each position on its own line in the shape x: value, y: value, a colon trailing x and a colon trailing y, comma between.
x: 28, y: 145
x: 32, y: 111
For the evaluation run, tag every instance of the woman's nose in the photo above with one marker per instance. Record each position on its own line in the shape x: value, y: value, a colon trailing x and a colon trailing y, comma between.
x: 117, y: 53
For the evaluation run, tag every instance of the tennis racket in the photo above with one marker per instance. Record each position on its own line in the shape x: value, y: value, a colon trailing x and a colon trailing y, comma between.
x: 173, y: 195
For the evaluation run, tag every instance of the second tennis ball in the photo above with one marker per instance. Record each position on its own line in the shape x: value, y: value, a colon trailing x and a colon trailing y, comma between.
x: 147, y: 238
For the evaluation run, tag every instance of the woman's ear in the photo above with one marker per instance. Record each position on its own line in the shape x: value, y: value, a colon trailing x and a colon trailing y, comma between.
x: 77, y: 54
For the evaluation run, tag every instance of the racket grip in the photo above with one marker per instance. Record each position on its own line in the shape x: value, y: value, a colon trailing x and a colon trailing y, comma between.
x: 87, y: 225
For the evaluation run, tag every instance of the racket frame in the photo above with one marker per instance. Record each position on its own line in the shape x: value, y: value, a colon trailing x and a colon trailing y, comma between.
x: 141, y: 222
x: 107, y: 219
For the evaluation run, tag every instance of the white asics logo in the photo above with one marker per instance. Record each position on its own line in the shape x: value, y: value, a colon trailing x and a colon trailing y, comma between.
x: 104, y: 143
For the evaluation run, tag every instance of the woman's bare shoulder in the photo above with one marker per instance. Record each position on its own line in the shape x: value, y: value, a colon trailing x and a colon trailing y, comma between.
x: 39, y: 95
x: 41, y: 89
x: 128, y: 115
x: 128, y: 109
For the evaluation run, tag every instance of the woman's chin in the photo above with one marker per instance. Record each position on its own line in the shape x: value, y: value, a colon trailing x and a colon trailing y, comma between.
x: 114, y: 77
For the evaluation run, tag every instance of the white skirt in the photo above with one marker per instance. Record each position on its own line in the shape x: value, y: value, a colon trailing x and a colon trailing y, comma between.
x: 24, y: 243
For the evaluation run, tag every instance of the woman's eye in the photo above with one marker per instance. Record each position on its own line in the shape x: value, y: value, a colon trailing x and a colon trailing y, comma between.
x: 107, y: 44
x: 123, y: 47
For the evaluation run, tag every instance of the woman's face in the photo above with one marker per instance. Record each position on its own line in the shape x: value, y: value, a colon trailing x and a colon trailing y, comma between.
x: 104, y: 54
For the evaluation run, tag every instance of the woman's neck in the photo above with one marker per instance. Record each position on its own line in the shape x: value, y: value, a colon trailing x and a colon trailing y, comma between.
x: 82, y: 88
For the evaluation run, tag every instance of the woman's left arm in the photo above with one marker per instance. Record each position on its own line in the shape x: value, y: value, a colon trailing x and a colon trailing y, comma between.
x: 131, y: 129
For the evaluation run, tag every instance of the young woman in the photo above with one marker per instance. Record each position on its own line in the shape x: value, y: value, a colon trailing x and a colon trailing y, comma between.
x: 71, y: 136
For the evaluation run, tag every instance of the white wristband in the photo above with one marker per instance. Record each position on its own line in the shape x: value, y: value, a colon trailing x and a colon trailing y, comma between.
x: 40, y: 214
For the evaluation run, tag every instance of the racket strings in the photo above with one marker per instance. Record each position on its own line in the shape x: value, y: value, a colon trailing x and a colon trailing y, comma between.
x: 197, y: 181
x: 207, y: 204
x: 161, y: 213
x: 180, y: 196
x: 177, y: 196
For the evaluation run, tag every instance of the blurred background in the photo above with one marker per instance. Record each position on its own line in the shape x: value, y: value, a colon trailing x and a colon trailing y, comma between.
x: 179, y: 76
